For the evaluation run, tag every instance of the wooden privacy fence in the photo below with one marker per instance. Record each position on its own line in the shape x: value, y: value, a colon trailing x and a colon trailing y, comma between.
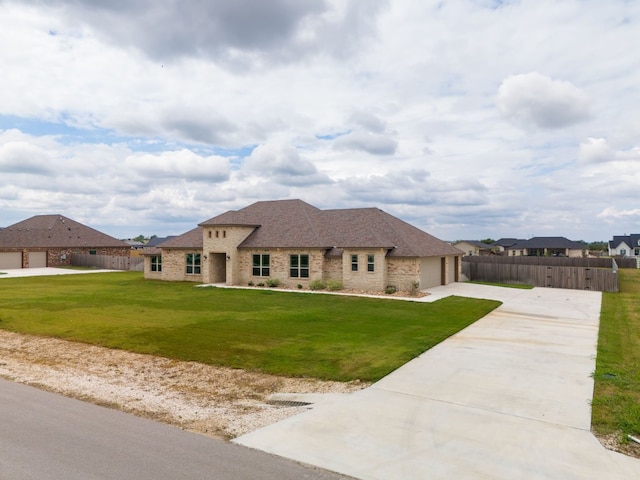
x: 554, y: 276
x: 108, y: 262
x: 622, y: 262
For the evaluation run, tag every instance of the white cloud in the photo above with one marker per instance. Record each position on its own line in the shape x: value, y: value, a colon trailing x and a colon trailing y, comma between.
x: 598, y: 151
x: 615, y: 214
x: 183, y: 164
x: 162, y: 114
x: 535, y: 100
x: 282, y: 164
x: 22, y: 157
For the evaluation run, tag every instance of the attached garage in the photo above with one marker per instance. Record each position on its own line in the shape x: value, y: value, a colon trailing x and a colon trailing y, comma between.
x: 37, y: 259
x: 9, y: 260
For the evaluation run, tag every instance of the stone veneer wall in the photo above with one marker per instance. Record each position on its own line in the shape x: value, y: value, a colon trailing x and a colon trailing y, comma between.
x: 148, y: 274
x: 332, y: 269
x: 279, y: 266
x: 174, y: 265
x: 363, y: 279
x: 225, y: 239
x: 403, y: 272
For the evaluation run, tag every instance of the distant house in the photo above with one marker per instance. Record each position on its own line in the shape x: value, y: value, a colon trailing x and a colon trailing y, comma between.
x: 51, y: 240
x: 297, y: 243
x: 544, y: 246
x: 502, y: 244
x: 625, y: 245
x: 474, y: 247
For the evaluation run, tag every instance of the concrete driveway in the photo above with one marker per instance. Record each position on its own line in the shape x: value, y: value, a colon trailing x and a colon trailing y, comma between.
x: 45, y: 271
x: 508, y: 397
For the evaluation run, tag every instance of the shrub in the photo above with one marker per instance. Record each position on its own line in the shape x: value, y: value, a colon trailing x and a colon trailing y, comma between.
x: 414, y: 288
x: 251, y: 284
x: 334, y: 285
x: 317, y: 285
x: 261, y: 284
x: 272, y: 282
x: 299, y: 286
x: 390, y: 290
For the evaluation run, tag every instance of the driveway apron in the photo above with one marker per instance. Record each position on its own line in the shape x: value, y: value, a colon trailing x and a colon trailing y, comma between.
x: 507, y: 397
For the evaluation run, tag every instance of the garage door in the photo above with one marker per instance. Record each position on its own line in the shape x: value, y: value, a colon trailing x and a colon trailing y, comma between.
x: 10, y: 260
x: 37, y: 259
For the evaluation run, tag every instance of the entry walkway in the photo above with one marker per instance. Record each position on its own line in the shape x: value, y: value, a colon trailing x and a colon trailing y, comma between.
x: 508, y: 397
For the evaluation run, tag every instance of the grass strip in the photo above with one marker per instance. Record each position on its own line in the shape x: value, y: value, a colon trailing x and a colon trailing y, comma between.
x: 616, y: 401
x: 295, y: 334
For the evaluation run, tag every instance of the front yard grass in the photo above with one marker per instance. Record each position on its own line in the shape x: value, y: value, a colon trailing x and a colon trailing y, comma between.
x: 294, y: 334
x: 616, y: 401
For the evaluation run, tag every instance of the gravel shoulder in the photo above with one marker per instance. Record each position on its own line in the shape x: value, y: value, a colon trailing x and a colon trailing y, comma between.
x: 214, y: 401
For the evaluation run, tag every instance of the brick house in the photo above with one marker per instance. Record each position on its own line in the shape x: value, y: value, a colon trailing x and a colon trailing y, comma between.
x: 297, y: 243
x: 51, y: 240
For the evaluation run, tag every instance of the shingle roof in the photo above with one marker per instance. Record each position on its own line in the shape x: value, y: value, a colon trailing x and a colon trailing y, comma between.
x: 507, y: 242
x: 477, y: 243
x: 190, y: 239
x: 155, y: 241
x: 296, y: 224
x: 631, y: 241
x: 548, y: 242
x: 48, y: 231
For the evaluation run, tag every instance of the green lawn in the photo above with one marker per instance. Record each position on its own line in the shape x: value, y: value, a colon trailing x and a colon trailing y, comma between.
x: 616, y: 402
x: 295, y: 334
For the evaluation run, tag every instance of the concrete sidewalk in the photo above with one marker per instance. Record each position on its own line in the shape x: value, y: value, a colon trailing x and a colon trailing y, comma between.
x: 508, y: 397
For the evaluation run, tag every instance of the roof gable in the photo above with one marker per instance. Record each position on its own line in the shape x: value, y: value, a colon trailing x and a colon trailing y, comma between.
x: 278, y: 223
x: 630, y: 241
x: 47, y: 231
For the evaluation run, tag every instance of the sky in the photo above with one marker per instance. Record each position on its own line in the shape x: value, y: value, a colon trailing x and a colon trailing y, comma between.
x: 469, y: 119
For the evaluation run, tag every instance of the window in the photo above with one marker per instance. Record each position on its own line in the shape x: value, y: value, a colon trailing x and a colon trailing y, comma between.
x: 156, y: 263
x: 93, y: 252
x: 370, y: 263
x: 193, y: 264
x: 209, y: 233
x: 299, y: 266
x: 354, y: 263
x: 636, y: 252
x: 623, y: 251
x: 217, y: 234
x: 261, y: 265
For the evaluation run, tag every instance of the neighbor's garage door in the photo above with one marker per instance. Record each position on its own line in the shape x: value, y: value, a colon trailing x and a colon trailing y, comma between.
x: 10, y: 260
x: 37, y: 259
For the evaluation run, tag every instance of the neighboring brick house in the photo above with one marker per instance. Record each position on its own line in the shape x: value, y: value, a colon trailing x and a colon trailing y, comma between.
x: 625, y: 245
x: 296, y: 243
x: 51, y: 240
